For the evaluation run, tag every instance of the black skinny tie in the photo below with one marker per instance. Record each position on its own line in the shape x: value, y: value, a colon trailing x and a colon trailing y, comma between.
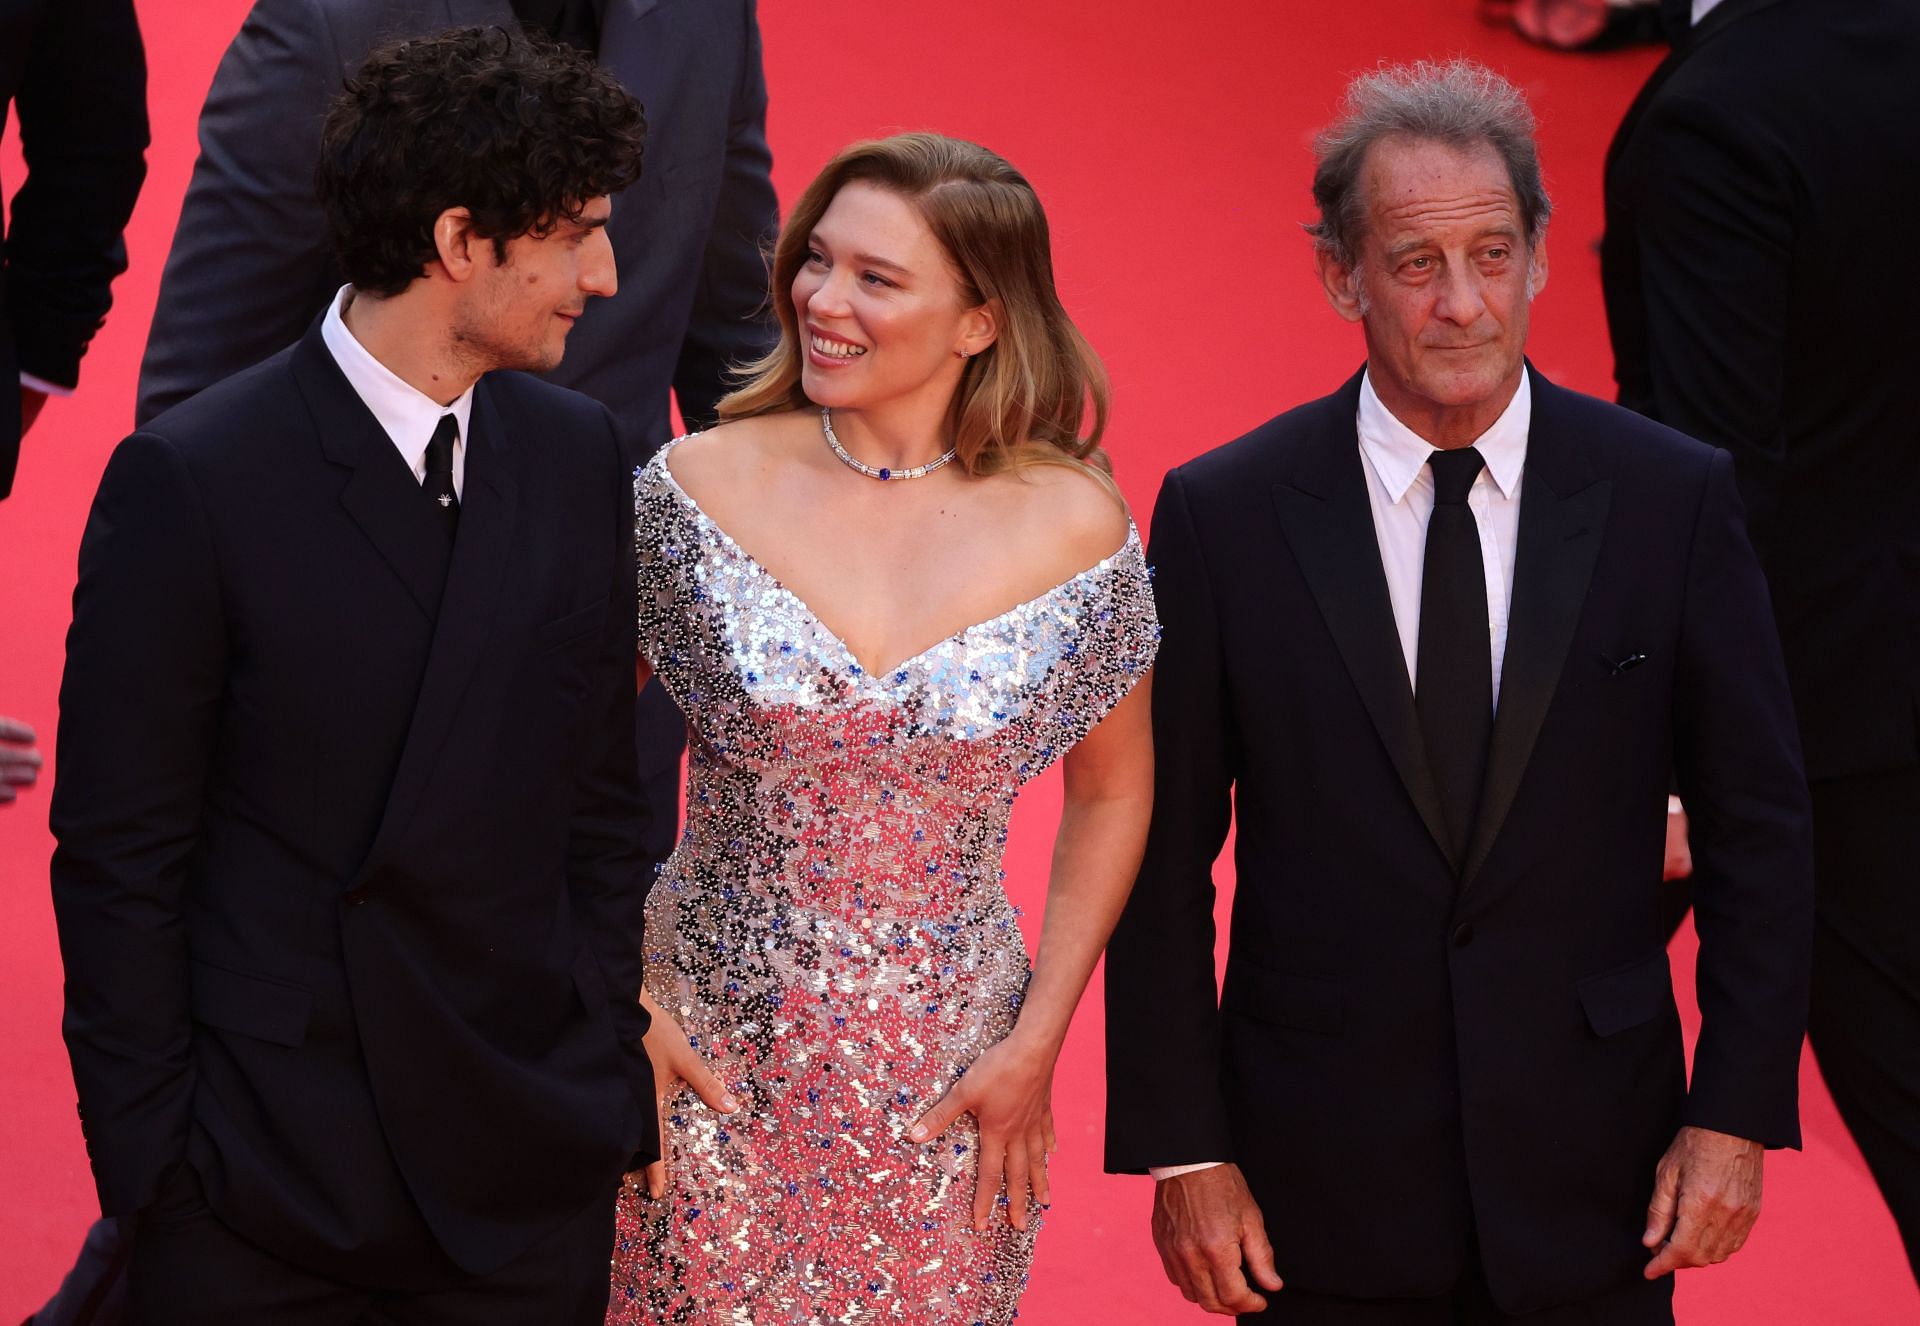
x: 438, y: 484
x: 1453, y: 689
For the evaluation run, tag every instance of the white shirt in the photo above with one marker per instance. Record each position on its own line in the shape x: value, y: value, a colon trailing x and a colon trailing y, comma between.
x: 1701, y: 8
x: 408, y: 415
x: 1400, y: 491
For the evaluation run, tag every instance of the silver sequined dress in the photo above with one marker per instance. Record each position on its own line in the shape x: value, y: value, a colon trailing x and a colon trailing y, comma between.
x: 832, y: 931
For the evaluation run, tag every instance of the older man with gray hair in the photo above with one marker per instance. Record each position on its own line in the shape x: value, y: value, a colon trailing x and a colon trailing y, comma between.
x: 1434, y: 645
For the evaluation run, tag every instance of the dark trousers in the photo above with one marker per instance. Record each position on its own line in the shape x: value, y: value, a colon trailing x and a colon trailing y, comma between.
x: 1634, y: 1303
x: 191, y: 1269
x: 1865, y: 1019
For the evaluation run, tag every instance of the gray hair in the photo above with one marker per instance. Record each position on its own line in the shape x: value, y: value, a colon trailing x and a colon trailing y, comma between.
x: 1461, y: 104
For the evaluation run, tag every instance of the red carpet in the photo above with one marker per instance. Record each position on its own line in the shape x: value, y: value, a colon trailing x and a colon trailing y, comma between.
x: 1173, y: 160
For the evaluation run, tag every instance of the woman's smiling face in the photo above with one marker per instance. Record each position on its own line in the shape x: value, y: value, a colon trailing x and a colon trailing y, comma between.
x: 881, y: 312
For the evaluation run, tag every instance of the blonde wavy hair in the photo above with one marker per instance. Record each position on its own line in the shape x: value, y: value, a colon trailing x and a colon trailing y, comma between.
x: 1022, y: 401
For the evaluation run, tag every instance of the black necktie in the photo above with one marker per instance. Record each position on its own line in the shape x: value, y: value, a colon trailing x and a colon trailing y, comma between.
x: 1453, y: 688
x: 438, y: 484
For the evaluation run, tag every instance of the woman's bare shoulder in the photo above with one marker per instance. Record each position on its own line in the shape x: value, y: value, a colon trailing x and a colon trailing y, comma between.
x: 1073, y: 514
x: 729, y: 453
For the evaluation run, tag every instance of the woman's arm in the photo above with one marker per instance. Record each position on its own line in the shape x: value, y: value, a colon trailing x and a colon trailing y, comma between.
x: 1108, y: 800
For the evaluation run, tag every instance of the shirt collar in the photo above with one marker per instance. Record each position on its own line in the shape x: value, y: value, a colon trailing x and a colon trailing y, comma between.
x: 1399, y: 455
x: 406, y: 414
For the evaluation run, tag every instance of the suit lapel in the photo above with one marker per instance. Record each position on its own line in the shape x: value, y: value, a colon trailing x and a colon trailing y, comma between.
x: 1328, y: 524
x: 489, y: 515
x: 1563, y: 516
x: 380, y: 493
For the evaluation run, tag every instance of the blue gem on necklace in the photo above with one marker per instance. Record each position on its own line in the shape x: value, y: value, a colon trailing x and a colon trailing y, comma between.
x: 861, y: 467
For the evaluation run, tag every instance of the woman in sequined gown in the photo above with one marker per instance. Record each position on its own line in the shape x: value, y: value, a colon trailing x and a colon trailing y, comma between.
x: 875, y: 649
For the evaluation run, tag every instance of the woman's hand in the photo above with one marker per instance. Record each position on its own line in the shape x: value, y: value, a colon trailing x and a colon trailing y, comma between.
x: 1009, y: 1092
x: 676, y: 1064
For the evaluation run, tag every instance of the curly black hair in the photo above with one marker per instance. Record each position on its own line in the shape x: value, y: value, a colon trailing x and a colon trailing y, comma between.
x: 519, y: 130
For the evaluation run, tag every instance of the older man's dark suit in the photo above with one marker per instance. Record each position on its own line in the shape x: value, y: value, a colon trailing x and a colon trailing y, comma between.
x: 1414, y: 1054
x: 75, y: 72
x: 1759, y: 167
x: 348, y: 878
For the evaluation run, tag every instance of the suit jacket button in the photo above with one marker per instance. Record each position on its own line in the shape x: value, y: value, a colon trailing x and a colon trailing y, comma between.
x: 354, y: 897
x: 1463, y: 934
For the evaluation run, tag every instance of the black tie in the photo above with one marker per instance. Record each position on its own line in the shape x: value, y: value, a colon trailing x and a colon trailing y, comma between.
x: 439, y: 481
x: 1453, y: 688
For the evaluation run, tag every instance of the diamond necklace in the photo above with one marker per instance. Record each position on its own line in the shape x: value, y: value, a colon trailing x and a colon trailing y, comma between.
x: 917, y: 472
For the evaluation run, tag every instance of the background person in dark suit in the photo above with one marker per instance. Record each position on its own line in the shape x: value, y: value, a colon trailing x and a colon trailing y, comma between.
x: 1434, y: 642
x: 76, y: 73
x: 250, y: 266
x: 348, y: 881
x: 1762, y: 164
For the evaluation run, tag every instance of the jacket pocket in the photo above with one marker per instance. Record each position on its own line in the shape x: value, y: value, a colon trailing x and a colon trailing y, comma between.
x: 563, y: 631
x: 1306, y: 1003
x: 1627, y: 996
x: 251, y: 1005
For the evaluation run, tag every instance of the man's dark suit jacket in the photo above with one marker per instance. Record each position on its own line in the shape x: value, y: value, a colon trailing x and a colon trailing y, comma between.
x: 1409, y: 1050
x: 1768, y: 169
x: 347, y: 878
x: 77, y: 73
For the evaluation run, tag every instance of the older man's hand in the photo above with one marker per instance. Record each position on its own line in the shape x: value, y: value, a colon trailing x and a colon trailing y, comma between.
x: 1706, y: 1196
x: 1207, y: 1228
x: 19, y: 761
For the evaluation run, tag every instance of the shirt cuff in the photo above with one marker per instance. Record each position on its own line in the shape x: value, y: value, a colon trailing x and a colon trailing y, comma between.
x: 1160, y: 1172
x: 44, y: 387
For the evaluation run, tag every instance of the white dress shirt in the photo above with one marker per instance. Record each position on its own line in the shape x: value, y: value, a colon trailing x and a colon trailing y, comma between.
x: 406, y: 414
x: 1400, y: 491
x: 1701, y: 8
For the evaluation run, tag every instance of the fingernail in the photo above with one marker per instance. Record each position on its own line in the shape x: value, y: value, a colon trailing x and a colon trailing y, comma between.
x: 729, y: 1104
x: 919, y: 1132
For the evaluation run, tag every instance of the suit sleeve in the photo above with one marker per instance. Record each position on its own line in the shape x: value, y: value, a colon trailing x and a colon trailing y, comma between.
x: 250, y: 265
x: 139, y: 709
x: 1713, y: 232
x: 730, y: 323
x: 1163, y: 1036
x: 607, y: 869
x: 83, y: 133
x: 1737, y: 759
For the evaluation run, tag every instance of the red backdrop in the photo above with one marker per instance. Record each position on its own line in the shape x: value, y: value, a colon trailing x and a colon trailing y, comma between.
x: 1170, y: 145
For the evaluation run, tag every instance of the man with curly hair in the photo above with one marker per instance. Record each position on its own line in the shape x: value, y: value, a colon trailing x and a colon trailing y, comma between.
x: 348, y: 812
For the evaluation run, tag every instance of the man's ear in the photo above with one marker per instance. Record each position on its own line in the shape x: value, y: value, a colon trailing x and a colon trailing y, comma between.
x: 1342, y: 284
x: 456, y: 245
x: 1537, y: 270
